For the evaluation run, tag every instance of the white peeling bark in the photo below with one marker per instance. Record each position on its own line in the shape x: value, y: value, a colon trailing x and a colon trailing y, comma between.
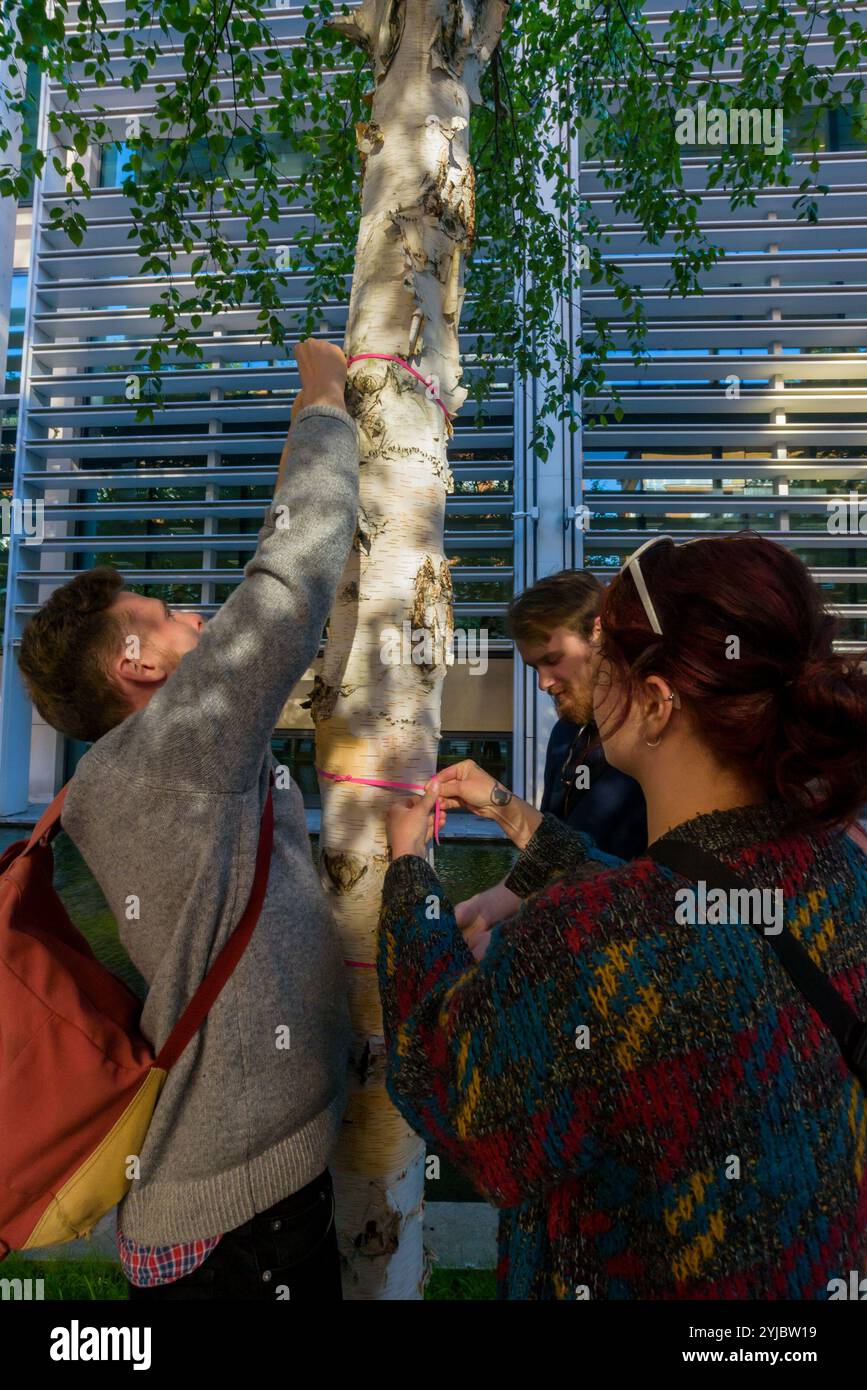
x: 374, y: 719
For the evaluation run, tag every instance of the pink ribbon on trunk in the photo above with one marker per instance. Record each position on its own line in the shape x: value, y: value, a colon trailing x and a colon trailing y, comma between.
x: 390, y: 357
x: 379, y: 782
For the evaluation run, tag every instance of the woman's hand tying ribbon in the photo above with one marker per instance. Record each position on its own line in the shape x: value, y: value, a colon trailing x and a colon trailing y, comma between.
x: 409, y: 822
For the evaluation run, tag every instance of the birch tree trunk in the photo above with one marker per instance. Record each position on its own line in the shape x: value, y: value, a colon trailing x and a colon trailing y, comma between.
x: 375, y: 718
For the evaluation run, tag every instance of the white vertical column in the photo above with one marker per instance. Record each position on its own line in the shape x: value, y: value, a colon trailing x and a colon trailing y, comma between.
x: 778, y: 382
x: 211, y: 526
x: 546, y: 536
x: 8, y: 210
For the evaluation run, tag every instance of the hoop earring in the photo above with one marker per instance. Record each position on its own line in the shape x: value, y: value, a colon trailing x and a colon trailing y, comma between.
x: 675, y: 699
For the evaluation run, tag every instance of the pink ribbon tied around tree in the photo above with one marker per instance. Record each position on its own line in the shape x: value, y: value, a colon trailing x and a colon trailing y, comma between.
x: 390, y: 357
x: 381, y: 782
x: 378, y: 782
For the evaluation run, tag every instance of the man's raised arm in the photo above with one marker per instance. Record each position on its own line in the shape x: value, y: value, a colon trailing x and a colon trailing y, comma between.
x: 210, y: 723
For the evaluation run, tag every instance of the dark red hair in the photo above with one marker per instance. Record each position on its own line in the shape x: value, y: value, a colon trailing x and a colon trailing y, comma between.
x: 787, y: 709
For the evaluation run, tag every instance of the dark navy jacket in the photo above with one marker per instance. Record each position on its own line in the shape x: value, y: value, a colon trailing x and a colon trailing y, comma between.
x: 611, y: 808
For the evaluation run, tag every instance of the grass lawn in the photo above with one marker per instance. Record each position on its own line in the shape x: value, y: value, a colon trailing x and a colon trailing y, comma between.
x: 102, y: 1280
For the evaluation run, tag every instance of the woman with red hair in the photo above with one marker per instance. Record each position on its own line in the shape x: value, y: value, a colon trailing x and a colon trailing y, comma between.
x: 631, y: 1072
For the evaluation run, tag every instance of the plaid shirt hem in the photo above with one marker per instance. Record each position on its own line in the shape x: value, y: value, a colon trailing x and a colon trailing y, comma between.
x: 148, y: 1265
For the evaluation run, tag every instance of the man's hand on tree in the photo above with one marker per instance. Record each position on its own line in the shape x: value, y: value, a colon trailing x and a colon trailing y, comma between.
x: 323, y: 373
x: 298, y: 404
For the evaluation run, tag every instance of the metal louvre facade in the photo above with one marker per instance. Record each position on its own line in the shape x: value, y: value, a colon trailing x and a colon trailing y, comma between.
x: 752, y: 411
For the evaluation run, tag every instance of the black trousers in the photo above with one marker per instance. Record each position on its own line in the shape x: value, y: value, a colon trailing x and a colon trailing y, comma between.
x: 287, y: 1252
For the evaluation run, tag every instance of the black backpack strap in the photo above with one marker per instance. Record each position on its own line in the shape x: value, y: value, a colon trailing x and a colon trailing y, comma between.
x: 695, y: 863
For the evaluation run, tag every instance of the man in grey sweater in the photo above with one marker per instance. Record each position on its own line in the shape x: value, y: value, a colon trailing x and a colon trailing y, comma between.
x: 232, y: 1197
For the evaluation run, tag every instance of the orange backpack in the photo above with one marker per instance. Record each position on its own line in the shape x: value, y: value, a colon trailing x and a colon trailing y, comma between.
x: 78, y: 1079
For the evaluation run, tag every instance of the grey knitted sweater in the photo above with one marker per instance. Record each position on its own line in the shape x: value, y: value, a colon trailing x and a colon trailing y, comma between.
x: 165, y: 809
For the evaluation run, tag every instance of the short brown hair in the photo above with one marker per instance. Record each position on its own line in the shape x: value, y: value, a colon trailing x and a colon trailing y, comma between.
x: 570, y: 598
x: 65, y: 652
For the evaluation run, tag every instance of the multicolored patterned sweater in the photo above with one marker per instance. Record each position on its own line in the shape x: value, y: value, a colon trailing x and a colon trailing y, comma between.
x: 653, y: 1107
